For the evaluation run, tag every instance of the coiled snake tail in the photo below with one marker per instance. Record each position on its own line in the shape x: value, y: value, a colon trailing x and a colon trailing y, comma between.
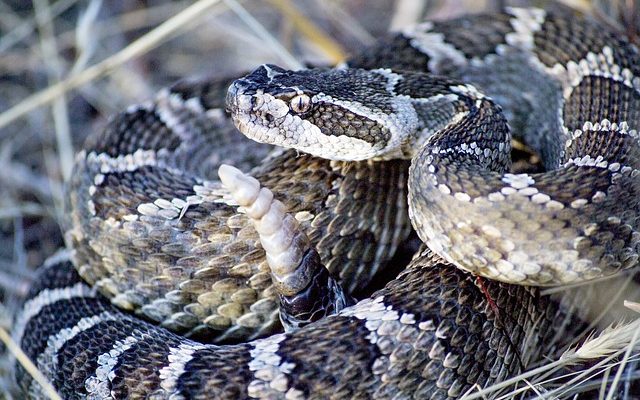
x: 306, y: 290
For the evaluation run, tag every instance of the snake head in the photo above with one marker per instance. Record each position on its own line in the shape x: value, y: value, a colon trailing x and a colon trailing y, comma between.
x: 339, y: 114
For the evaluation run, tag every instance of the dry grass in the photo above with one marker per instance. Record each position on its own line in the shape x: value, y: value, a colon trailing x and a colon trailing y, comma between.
x: 67, y: 65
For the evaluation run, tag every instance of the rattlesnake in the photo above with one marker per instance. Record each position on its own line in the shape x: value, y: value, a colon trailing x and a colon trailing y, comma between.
x: 152, y: 229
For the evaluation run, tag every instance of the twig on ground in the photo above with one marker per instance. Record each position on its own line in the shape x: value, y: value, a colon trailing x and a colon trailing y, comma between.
x: 289, y: 60
x: 51, y: 58
x: 22, y: 31
x: 26, y: 363
x: 189, y: 16
x: 310, y: 30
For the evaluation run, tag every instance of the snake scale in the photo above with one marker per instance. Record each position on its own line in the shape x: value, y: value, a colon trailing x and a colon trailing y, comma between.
x: 154, y: 232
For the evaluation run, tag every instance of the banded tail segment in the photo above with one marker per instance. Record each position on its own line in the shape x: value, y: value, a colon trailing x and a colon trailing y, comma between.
x: 306, y: 290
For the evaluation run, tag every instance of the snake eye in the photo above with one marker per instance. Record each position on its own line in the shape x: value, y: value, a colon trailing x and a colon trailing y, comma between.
x: 300, y: 103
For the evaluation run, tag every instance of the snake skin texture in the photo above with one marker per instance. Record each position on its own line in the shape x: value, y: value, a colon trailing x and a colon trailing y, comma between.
x: 435, y: 345
x: 153, y: 232
x: 574, y: 222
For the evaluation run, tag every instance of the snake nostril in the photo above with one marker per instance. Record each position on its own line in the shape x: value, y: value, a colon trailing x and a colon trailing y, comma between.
x: 268, y: 117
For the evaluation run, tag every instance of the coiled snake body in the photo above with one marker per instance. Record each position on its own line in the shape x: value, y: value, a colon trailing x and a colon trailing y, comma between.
x: 152, y: 229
